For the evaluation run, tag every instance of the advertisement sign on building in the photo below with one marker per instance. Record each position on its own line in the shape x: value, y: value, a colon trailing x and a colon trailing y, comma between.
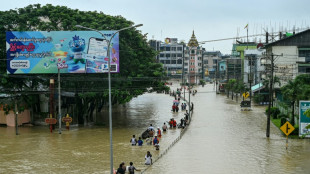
x: 303, y: 119
x: 41, y: 52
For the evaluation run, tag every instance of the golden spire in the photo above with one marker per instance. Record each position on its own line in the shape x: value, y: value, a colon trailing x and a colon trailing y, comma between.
x: 193, y: 41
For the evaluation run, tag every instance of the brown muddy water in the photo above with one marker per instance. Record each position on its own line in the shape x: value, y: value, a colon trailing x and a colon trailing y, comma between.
x: 220, y: 139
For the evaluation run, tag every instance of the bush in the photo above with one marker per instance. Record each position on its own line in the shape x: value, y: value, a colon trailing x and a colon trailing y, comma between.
x: 283, y: 118
x: 274, y: 112
x: 296, y: 130
x: 258, y: 98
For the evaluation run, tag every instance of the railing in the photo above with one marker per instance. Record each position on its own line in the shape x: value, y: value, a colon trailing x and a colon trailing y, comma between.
x: 171, y: 145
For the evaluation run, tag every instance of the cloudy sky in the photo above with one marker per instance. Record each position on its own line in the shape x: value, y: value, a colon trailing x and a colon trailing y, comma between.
x: 210, y: 19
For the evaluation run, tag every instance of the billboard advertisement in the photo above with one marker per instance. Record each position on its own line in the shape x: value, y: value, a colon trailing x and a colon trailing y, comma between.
x: 303, y: 119
x: 41, y: 52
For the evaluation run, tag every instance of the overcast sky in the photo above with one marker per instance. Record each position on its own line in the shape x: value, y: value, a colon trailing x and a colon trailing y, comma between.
x: 210, y: 19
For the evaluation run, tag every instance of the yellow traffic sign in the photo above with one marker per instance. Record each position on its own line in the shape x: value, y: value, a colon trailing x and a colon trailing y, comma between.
x: 245, y: 95
x: 287, y: 128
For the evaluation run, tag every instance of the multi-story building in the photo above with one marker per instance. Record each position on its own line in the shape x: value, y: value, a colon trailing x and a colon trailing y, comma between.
x: 210, y: 62
x: 155, y: 44
x: 193, y: 61
x: 291, y: 56
x: 170, y: 55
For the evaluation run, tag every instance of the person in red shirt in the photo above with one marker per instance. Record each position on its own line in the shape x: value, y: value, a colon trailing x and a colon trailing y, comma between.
x: 158, y: 132
x: 174, y: 123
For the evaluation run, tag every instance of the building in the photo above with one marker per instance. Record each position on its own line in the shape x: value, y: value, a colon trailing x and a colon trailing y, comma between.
x: 193, y: 61
x: 210, y: 62
x: 291, y: 56
x: 155, y: 44
x: 170, y: 55
x: 253, y: 69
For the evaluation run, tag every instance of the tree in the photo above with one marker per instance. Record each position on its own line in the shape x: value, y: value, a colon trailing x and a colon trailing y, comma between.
x: 138, y: 68
x: 298, y: 89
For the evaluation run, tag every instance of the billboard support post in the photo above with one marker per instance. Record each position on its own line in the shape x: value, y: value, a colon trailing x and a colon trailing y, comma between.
x: 109, y: 77
x: 59, y: 102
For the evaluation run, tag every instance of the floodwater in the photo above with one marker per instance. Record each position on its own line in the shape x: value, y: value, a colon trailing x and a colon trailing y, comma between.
x: 220, y: 139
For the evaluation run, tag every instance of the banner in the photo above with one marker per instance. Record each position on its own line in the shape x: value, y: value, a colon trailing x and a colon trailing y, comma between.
x: 303, y: 119
x: 40, y: 52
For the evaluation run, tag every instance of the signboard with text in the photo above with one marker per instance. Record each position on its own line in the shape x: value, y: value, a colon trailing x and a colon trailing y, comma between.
x: 303, y: 119
x: 42, y: 52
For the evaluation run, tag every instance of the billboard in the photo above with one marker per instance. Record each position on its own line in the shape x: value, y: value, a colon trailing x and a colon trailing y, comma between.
x: 41, y: 52
x: 303, y: 119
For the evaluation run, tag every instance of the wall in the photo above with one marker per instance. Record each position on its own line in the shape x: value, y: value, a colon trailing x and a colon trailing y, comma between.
x: 286, y: 65
x: 9, y: 120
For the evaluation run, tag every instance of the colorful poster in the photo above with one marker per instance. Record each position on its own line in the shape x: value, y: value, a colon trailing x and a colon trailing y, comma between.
x: 303, y: 119
x: 40, y: 52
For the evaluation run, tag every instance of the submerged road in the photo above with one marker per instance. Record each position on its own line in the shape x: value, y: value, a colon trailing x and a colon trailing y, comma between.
x: 223, y: 139
x: 220, y: 139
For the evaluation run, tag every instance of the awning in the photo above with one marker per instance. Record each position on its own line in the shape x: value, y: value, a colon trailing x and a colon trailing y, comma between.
x: 257, y: 87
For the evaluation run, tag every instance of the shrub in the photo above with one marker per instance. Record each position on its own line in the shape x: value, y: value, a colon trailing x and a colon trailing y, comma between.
x: 274, y: 112
x: 283, y: 118
x: 296, y: 130
x: 258, y: 98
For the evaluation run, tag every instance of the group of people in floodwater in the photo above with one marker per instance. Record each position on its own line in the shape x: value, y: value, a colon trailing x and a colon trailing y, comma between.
x: 157, y: 134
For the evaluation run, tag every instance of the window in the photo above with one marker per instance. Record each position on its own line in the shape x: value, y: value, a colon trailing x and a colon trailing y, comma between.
x: 179, y: 55
x: 173, y: 61
x: 167, y: 48
x: 179, y: 48
x: 167, y: 55
x: 304, y: 52
x: 193, y: 51
x: 199, y: 64
x: 303, y: 69
x: 199, y: 58
x: 173, y: 48
x: 167, y: 61
x: 180, y: 61
x: 214, y: 61
x: 162, y: 55
x: 205, y: 61
x: 173, y: 55
x: 162, y: 48
x: 162, y: 61
x: 185, y: 64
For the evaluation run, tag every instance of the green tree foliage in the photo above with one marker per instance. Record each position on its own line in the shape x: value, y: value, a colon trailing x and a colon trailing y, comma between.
x: 298, y: 89
x: 138, y: 68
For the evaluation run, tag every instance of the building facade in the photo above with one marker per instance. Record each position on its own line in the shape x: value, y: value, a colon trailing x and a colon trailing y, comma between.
x: 171, y: 55
x: 291, y: 56
x: 210, y: 62
x: 193, y: 68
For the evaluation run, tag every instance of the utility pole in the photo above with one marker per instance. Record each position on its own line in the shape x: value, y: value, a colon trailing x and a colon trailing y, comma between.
x: 250, y: 78
x: 270, y: 97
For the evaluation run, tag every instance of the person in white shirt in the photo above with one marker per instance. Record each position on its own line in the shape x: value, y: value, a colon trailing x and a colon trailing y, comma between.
x: 151, y: 128
x: 148, y: 158
x: 133, y: 140
x: 164, y: 127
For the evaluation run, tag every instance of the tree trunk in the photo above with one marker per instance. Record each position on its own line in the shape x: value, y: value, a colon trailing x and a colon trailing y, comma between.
x: 293, y: 111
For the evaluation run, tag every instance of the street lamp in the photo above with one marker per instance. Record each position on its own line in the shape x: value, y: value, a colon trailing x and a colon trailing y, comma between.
x: 109, y: 77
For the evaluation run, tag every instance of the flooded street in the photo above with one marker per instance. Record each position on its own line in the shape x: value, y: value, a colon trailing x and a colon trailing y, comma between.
x: 220, y: 139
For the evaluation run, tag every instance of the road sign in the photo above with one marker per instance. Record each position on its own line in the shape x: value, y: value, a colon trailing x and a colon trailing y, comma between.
x: 287, y: 128
x: 50, y: 120
x: 245, y: 95
x: 67, y: 119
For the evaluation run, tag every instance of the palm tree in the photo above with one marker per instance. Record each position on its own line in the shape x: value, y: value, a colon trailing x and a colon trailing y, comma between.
x: 291, y: 91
